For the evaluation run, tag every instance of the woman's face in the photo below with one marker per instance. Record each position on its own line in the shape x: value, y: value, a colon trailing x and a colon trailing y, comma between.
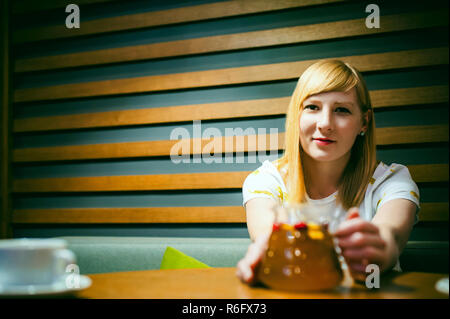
x: 329, y: 125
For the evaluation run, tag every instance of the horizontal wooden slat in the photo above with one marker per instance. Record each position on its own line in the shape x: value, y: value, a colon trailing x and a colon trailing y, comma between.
x: 229, y: 76
x: 255, y: 39
x: 412, y: 134
x: 429, y: 173
x: 210, y: 111
x: 171, y: 114
x: 218, y: 145
x: 228, y: 180
x: 434, y: 212
x: 409, y: 96
x: 222, y: 180
x: 220, y: 214
x: 163, y: 17
x: 221, y: 145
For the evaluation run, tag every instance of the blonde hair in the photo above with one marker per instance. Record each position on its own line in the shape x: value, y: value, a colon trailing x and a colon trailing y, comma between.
x: 327, y: 76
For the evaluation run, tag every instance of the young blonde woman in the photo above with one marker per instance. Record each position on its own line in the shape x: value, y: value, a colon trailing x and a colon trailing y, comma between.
x: 330, y: 162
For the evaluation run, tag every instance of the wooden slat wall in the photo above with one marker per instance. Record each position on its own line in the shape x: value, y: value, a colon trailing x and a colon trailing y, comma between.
x: 40, y: 147
x: 217, y: 111
x: 163, y: 17
x: 385, y: 136
x: 233, y: 76
x: 280, y: 36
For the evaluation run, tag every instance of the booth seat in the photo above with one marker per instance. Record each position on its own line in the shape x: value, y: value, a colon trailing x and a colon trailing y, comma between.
x: 111, y: 254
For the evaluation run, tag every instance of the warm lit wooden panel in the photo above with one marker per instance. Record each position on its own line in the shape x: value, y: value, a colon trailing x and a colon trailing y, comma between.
x: 170, y: 114
x: 409, y: 96
x: 429, y: 173
x: 229, y: 76
x: 219, y: 214
x: 212, y: 146
x: 412, y: 134
x: 227, y: 180
x: 434, y: 212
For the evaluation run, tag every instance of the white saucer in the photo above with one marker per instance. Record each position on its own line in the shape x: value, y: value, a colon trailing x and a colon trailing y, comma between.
x: 442, y: 285
x: 56, y: 288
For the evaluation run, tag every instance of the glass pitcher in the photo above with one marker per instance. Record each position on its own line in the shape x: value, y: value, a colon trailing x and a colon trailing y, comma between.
x: 302, y: 254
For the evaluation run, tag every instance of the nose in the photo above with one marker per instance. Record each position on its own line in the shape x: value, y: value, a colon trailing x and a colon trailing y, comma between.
x: 325, y: 121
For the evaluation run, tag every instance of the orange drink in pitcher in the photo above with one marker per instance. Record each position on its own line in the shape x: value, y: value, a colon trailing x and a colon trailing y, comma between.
x: 301, y: 254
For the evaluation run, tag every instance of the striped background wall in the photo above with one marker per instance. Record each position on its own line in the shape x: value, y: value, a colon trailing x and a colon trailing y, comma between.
x: 94, y: 107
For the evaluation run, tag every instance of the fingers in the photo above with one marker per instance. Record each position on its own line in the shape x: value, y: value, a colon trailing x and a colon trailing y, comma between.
x: 370, y: 254
x: 351, y: 226
x: 358, y: 259
x: 358, y: 272
x: 244, y: 272
x: 256, y: 251
x: 245, y: 269
x: 357, y: 267
x: 360, y: 249
x: 359, y: 240
x: 360, y: 243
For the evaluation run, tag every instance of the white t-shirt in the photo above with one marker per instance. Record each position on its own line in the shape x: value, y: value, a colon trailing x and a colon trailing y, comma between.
x: 387, y: 183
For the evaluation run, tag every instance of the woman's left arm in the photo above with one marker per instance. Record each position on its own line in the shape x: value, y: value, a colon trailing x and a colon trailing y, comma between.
x: 377, y: 242
x: 395, y: 219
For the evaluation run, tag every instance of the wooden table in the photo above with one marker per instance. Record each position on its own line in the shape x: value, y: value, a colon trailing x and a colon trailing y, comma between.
x: 222, y: 283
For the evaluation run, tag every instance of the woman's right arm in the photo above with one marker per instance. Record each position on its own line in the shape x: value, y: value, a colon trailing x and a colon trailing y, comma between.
x: 260, y: 218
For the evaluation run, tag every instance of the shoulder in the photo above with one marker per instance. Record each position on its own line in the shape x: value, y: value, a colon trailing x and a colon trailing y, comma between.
x: 266, y: 173
x: 390, y: 182
x: 391, y: 174
x: 265, y: 181
x: 267, y: 169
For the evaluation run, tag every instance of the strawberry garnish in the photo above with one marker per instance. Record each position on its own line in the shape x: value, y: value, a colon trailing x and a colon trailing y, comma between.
x: 300, y: 225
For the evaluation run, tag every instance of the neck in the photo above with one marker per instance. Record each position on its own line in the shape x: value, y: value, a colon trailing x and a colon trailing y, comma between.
x: 322, y: 178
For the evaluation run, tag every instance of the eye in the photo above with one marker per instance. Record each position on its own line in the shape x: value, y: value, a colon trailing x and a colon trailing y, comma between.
x: 311, y: 107
x: 342, y: 109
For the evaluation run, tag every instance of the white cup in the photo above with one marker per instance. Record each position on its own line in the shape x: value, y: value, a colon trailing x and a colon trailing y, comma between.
x: 33, y: 261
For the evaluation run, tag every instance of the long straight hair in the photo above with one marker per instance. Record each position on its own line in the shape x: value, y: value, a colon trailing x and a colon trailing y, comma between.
x: 326, y: 76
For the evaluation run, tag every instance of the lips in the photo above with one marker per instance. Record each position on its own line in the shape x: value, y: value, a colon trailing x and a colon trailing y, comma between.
x: 323, y: 140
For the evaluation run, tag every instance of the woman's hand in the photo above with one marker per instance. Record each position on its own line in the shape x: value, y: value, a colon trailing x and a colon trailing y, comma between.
x: 361, y: 244
x: 247, y: 265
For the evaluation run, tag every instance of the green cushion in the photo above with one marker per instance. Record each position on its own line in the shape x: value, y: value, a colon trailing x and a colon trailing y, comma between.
x: 175, y: 259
